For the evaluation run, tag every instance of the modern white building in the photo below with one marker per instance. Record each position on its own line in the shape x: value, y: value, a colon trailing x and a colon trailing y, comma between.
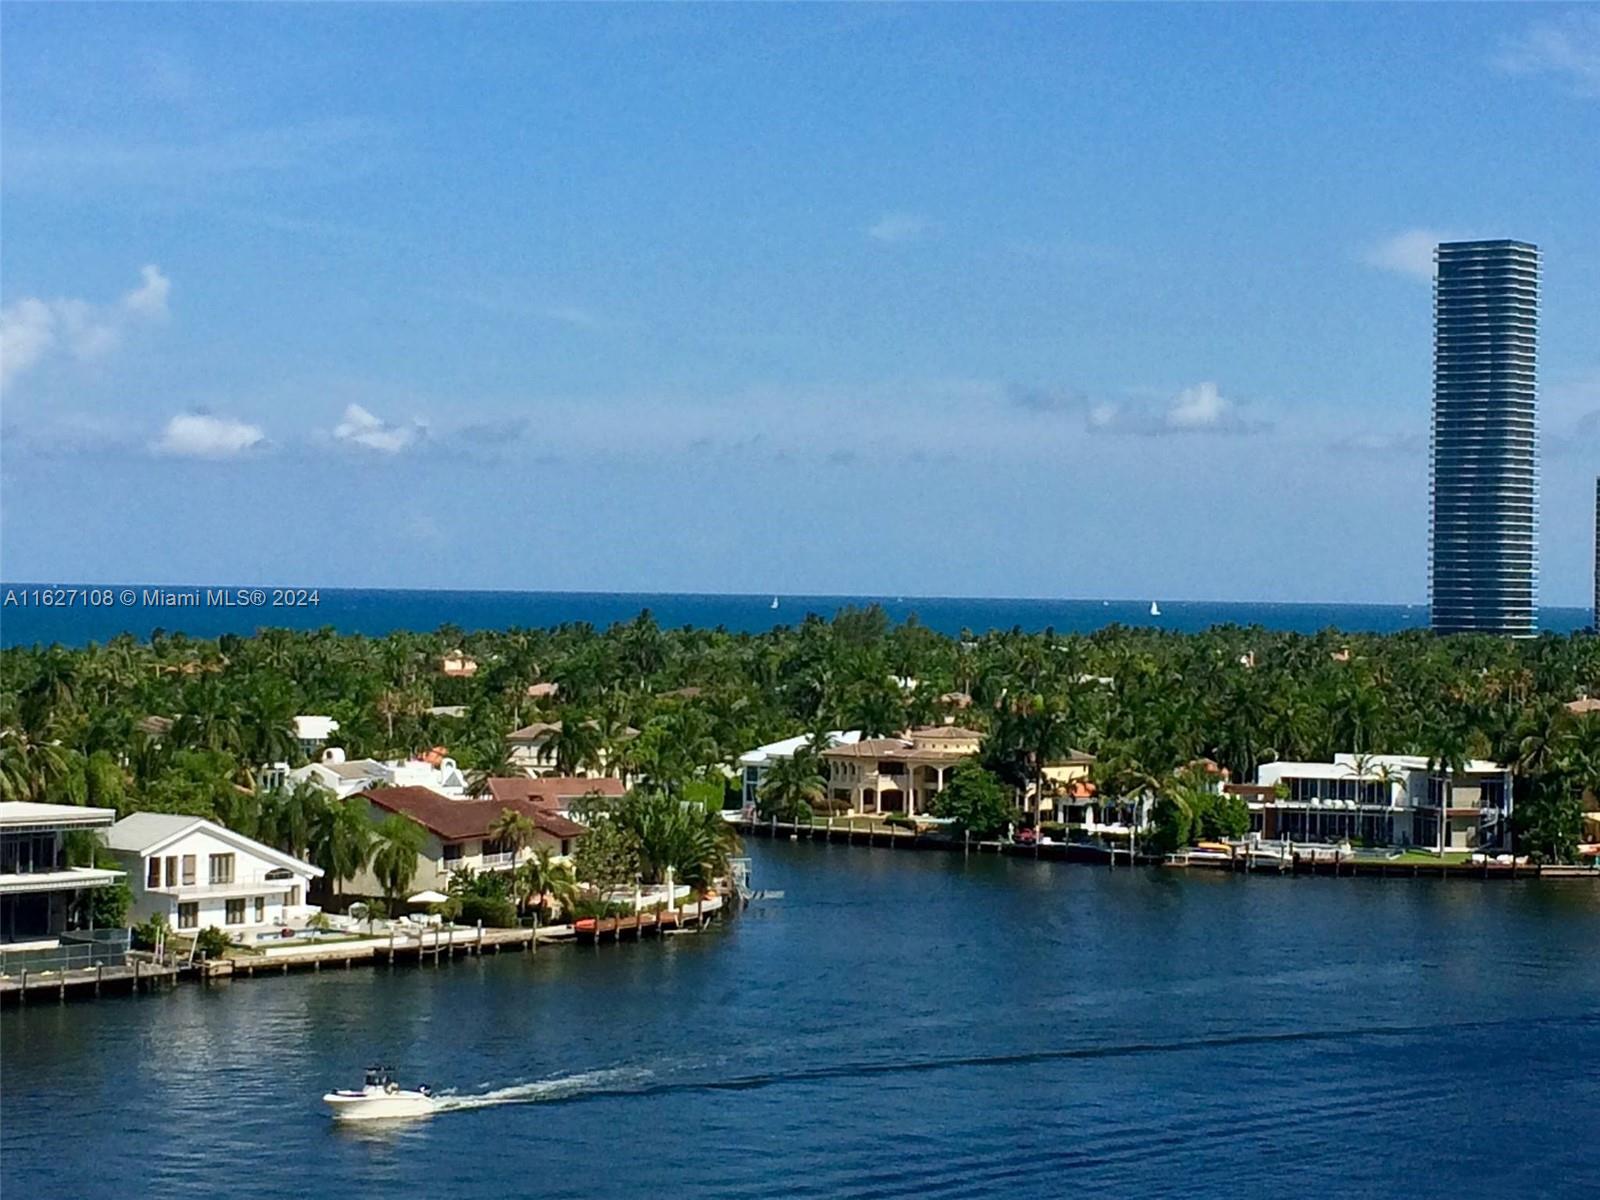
x: 41, y: 897
x: 332, y: 773
x: 433, y: 770
x: 313, y: 732
x: 197, y: 874
x: 753, y: 764
x: 1383, y: 800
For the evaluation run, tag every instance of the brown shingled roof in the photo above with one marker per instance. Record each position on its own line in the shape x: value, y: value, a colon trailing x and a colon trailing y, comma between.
x: 552, y: 790
x: 455, y: 820
x: 954, y: 732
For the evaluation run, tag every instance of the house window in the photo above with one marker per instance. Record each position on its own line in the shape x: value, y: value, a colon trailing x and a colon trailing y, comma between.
x: 261, y: 909
x: 452, y: 851
x: 235, y: 912
x: 152, y: 877
x: 188, y: 870
x: 172, y: 870
x: 566, y: 847
x: 188, y: 915
x: 222, y: 869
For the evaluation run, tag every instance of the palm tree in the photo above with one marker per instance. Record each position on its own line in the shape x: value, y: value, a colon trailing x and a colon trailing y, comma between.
x: 495, y: 761
x: 792, y: 786
x: 577, y: 745
x: 514, y: 829
x: 397, y: 841
x: 290, y: 816
x: 343, y: 842
x: 542, y: 882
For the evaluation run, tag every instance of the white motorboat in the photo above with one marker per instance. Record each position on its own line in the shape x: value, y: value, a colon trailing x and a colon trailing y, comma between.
x: 380, y: 1099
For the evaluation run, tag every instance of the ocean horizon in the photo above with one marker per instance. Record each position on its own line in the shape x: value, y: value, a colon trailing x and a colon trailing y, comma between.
x: 84, y: 613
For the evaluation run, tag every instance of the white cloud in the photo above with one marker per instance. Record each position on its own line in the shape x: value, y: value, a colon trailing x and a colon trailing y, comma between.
x: 149, y: 299
x: 1409, y: 253
x: 1198, y: 409
x: 570, y: 314
x: 902, y: 227
x: 363, y: 428
x: 1567, y: 48
x: 1101, y: 416
x: 32, y: 329
x: 201, y: 435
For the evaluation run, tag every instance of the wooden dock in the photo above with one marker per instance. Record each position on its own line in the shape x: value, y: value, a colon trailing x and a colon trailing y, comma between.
x: 435, y: 947
x: 645, y: 924
x: 136, y: 976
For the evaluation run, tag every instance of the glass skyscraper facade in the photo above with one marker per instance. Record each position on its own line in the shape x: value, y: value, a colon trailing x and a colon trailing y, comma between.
x: 1483, y: 547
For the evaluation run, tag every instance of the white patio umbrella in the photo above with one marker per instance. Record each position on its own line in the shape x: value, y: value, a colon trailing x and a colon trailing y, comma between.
x: 428, y: 897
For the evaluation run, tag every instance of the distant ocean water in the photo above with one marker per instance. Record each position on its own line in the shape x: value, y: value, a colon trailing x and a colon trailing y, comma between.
x: 377, y: 611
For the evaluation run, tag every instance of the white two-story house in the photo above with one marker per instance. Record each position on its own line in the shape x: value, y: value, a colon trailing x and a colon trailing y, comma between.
x: 198, y: 874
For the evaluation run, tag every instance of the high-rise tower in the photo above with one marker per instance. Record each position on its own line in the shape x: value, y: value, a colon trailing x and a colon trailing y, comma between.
x: 1483, y: 568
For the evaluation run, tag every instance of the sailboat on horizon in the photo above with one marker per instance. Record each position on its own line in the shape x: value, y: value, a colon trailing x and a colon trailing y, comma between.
x: 1155, y: 609
x: 774, y: 602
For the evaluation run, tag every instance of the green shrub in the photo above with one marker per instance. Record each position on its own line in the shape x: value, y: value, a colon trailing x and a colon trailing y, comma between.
x: 496, y: 912
x: 211, y: 942
x: 147, y: 933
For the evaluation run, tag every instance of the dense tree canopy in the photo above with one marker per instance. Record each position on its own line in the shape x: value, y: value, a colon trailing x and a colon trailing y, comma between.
x: 674, y: 706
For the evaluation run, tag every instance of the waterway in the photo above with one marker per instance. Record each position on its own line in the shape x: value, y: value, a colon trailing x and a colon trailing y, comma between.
x: 899, y: 1024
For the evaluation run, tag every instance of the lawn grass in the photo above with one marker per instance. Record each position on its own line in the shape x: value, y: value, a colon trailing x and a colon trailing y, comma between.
x: 1424, y: 858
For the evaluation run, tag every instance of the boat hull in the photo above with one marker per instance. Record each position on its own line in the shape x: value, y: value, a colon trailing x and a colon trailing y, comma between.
x: 388, y: 1106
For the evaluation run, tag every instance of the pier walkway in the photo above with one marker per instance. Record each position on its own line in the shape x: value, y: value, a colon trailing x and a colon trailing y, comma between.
x: 862, y: 832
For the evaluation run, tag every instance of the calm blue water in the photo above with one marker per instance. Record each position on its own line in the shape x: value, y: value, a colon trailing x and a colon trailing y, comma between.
x: 902, y: 1024
x: 379, y: 611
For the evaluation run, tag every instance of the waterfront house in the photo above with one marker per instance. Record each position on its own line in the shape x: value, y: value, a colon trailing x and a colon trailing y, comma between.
x: 198, y: 874
x: 458, y: 834
x: 41, y: 897
x: 898, y: 775
x: 1382, y: 800
x: 753, y: 764
x: 1066, y: 783
x: 457, y: 665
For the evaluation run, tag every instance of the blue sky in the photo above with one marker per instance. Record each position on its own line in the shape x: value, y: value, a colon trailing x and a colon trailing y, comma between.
x: 966, y: 300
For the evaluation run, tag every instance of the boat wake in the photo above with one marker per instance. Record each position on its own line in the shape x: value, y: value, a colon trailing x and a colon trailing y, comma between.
x: 540, y: 1091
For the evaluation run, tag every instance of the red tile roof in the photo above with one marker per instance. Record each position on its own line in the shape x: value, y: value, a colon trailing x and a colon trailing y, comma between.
x: 456, y: 820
